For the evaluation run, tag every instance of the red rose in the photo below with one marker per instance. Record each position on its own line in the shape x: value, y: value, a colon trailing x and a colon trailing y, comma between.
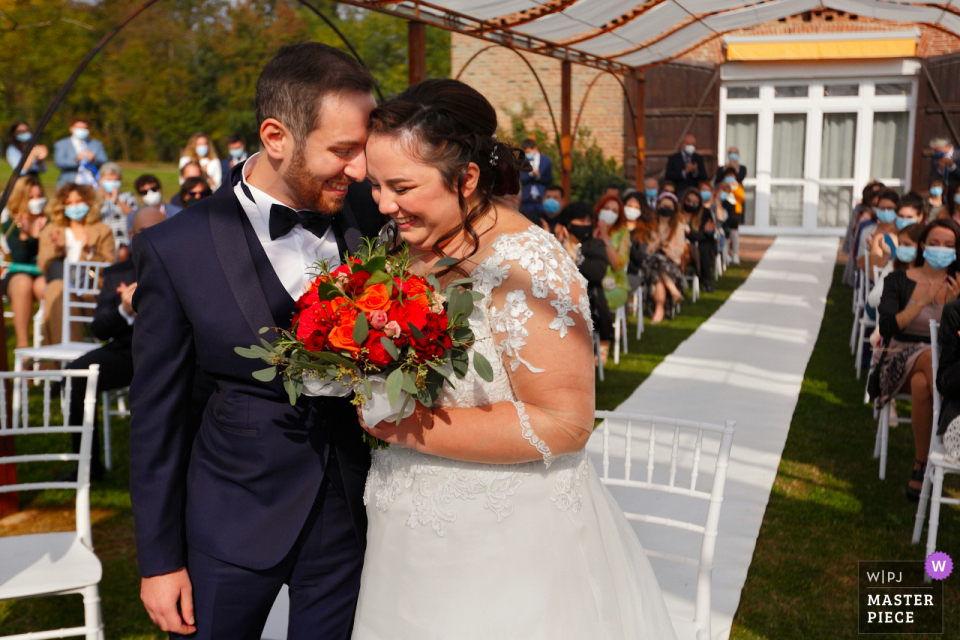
x: 408, y: 312
x: 355, y: 282
x: 315, y: 341
x: 437, y: 323
x: 376, y: 353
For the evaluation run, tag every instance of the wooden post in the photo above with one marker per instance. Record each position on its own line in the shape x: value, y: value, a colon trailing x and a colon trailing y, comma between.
x: 566, y: 162
x: 417, y: 51
x: 640, y: 126
x: 634, y: 138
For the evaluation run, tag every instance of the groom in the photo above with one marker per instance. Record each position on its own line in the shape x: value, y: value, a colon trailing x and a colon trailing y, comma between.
x: 262, y: 493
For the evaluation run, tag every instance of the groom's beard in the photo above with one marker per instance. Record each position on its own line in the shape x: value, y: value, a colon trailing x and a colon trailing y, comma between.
x: 307, y: 189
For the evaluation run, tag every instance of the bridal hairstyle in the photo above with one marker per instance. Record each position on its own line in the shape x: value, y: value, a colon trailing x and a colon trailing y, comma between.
x: 447, y: 124
x: 293, y: 84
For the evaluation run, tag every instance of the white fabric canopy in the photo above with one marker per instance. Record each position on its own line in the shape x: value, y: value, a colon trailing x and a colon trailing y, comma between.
x: 635, y: 33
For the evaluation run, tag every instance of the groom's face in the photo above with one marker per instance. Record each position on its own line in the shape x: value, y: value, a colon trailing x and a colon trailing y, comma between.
x: 333, y: 154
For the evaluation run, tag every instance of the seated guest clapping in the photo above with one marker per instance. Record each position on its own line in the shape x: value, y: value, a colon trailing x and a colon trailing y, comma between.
x: 113, y: 322
x: 22, y: 222
x: 911, y: 298
x: 906, y: 254
x: 661, y: 268
x: 73, y: 233
x: 883, y: 246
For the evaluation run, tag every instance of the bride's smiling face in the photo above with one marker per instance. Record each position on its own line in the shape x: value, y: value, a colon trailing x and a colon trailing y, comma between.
x: 413, y: 193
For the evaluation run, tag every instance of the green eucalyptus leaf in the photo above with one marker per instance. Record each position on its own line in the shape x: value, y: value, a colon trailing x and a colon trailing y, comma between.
x: 460, y: 362
x: 373, y: 265
x: 326, y: 291
x: 394, y: 384
x: 403, y: 407
x: 446, y: 262
x: 461, y: 281
x: 247, y: 353
x: 335, y: 358
x: 266, y: 345
x: 482, y: 365
x: 433, y: 282
x: 409, y: 383
x: 367, y: 389
x: 264, y: 330
x: 291, y: 387
x: 381, y: 277
x: 416, y: 332
x: 476, y: 295
x: 390, y: 347
x: 361, y: 329
x: 463, y: 334
x: 265, y: 375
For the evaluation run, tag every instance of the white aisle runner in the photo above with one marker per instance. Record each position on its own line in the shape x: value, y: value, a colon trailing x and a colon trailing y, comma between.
x: 745, y: 363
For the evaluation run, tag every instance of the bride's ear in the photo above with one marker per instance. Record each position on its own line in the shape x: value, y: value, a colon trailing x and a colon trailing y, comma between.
x: 471, y: 180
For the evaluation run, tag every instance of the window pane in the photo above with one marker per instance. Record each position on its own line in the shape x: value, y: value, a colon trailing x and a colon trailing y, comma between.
x: 742, y: 134
x: 786, y: 206
x: 742, y: 93
x: 889, y: 151
x: 835, y: 206
x: 835, y: 90
x: 893, y: 89
x: 838, y: 145
x: 789, y: 141
x: 791, y: 91
x: 749, y: 205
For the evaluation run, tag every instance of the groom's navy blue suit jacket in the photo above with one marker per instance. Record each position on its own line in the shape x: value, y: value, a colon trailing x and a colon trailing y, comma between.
x: 241, y: 486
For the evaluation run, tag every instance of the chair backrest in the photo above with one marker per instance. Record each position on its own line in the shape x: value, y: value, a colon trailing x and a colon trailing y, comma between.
x: 81, y: 281
x: 935, y: 363
x: 82, y: 484
x: 693, y: 432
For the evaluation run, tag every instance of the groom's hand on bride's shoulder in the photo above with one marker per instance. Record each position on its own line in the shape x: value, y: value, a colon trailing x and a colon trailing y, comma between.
x: 160, y: 595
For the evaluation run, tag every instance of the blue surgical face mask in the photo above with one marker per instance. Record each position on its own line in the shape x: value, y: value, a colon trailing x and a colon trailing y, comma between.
x: 734, y: 157
x: 203, y: 150
x: 730, y: 179
x: 80, y: 134
x: 24, y: 137
x: 936, y: 191
x: 886, y: 215
x: 903, y: 223
x: 111, y: 186
x: 906, y: 254
x: 651, y: 193
x: 237, y: 153
x: 706, y: 195
x: 76, y: 211
x: 531, y: 156
x: 940, y: 257
x: 551, y: 206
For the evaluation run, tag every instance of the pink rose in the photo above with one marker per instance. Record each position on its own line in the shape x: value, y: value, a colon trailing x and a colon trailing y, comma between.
x: 392, y: 328
x: 378, y: 319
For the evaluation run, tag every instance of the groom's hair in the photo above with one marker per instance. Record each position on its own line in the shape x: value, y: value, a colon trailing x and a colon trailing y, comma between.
x: 292, y: 85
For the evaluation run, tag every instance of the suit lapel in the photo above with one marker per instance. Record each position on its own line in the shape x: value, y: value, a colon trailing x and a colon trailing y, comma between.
x: 237, y: 262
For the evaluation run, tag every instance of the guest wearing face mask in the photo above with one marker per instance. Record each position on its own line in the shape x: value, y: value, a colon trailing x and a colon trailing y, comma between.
x: 701, y: 233
x: 149, y: 189
x: 907, y: 239
x: 200, y: 150
x: 575, y: 231
x: 238, y: 153
x: 73, y: 233
x: 731, y: 197
x: 552, y: 199
x: 886, y: 215
x: 639, y: 222
x: 194, y: 190
x: 953, y: 204
x: 116, y: 207
x: 733, y: 160
x: 863, y: 217
x: 883, y: 247
x: 945, y: 163
x: 533, y: 183
x: 19, y: 135
x: 70, y: 153
x: 610, y: 226
x: 935, y: 203
x: 23, y: 220
x: 661, y: 268
x: 648, y: 203
x: 685, y: 168
x: 911, y: 298
x: 187, y: 171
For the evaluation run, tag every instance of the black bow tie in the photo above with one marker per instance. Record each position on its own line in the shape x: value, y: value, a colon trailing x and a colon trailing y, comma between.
x: 283, y: 219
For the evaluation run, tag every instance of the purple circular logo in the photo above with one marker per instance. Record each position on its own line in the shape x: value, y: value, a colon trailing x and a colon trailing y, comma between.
x: 939, y: 565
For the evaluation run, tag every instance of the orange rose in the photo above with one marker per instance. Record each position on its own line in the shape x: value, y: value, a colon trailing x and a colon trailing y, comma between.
x: 341, y: 337
x: 417, y: 292
x: 346, y: 311
x: 375, y: 298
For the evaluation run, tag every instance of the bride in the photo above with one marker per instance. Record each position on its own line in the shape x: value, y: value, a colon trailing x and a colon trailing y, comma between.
x: 486, y: 518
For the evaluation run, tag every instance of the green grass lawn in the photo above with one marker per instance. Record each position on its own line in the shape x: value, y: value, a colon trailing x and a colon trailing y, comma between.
x: 168, y: 175
x: 828, y: 509
x: 113, y: 530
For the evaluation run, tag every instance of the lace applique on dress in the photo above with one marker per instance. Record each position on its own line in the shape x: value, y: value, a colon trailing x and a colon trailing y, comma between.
x: 566, y: 493
x: 530, y: 436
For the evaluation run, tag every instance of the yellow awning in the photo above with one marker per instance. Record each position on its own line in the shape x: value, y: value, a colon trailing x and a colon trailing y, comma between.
x: 822, y: 50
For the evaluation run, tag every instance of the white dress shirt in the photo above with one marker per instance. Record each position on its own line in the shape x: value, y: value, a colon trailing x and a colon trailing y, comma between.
x: 294, y: 255
x: 535, y: 165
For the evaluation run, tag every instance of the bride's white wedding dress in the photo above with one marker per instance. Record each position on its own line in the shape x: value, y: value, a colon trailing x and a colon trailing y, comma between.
x: 462, y: 551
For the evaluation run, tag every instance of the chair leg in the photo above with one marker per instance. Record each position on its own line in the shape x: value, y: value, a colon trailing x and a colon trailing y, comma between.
x: 935, y: 495
x: 596, y: 351
x: 859, y: 362
x: 855, y: 330
x: 884, y: 440
x: 879, y: 417
x: 696, y: 288
x: 91, y: 613
x: 107, y: 449
x: 922, y: 506
x: 616, y: 338
x: 15, y: 404
x: 625, y: 331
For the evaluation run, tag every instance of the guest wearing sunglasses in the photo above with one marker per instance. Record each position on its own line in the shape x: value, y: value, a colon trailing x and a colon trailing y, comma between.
x: 194, y: 190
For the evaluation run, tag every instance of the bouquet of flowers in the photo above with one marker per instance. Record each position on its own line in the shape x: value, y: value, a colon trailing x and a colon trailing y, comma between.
x: 372, y: 328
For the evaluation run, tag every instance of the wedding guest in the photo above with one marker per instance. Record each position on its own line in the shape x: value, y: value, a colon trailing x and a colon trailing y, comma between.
x: 733, y: 161
x: 200, y: 150
x: 662, y: 273
x: 116, y: 207
x: 904, y: 258
x: 610, y: 226
x: 862, y: 212
x: 945, y: 163
x: 73, y: 233
x: 701, y: 232
x: 552, y: 202
x: 113, y: 324
x: 883, y: 247
x: 237, y: 149
x: 685, y: 167
x: 18, y: 137
x: 194, y: 190
x: 886, y: 215
x: 613, y: 189
x: 575, y: 231
x: 150, y: 190
x: 70, y: 153
x: 669, y: 187
x: 533, y: 183
x: 948, y: 369
x: 639, y: 223
x: 648, y: 204
x: 187, y: 171
x: 23, y: 220
x: 732, y: 197
x: 911, y: 298
x: 935, y: 203
x: 953, y: 204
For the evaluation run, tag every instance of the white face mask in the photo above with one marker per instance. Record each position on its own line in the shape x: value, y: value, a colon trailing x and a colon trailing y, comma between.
x: 689, y: 149
x: 631, y: 213
x: 151, y: 198
x: 37, y: 205
x: 608, y: 217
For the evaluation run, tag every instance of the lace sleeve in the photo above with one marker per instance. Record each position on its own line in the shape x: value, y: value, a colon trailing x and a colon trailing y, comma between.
x: 538, y: 301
